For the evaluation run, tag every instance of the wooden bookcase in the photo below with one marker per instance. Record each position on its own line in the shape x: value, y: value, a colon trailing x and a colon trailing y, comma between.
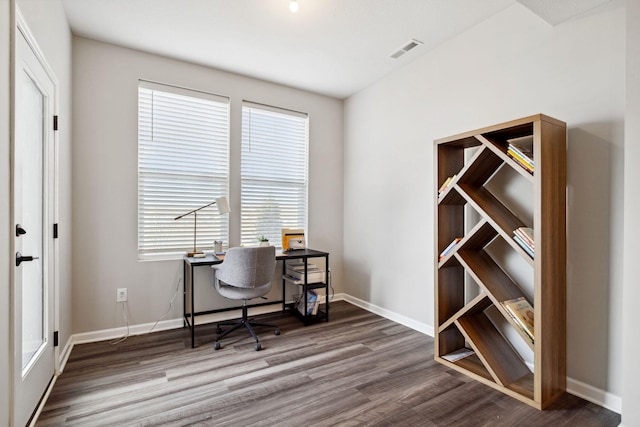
x: 473, y: 279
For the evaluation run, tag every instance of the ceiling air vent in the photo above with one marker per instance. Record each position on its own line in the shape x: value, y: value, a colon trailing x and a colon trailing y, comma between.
x: 413, y: 43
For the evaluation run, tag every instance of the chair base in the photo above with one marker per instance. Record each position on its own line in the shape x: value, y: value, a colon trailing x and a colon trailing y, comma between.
x: 236, y: 324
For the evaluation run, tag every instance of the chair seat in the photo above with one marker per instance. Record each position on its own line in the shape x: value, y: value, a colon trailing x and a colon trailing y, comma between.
x: 234, y: 292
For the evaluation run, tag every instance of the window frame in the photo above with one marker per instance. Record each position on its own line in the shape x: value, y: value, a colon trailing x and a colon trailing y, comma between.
x: 218, y: 224
x: 248, y: 237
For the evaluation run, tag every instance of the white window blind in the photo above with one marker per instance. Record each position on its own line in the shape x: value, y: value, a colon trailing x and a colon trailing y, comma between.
x: 274, y: 172
x: 183, y: 163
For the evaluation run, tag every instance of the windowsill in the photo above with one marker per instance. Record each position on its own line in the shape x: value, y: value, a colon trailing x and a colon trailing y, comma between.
x: 166, y: 256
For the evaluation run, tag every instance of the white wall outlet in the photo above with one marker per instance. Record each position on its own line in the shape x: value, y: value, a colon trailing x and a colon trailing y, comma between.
x: 121, y: 295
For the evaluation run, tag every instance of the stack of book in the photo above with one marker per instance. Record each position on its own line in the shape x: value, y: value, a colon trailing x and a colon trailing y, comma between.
x: 446, y: 184
x: 521, y: 150
x: 524, y: 237
x: 449, y: 248
x: 295, y: 273
x: 522, y: 314
x: 313, y: 302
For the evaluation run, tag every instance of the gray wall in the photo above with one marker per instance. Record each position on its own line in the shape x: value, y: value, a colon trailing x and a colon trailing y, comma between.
x: 630, y: 337
x: 105, y: 180
x: 511, y: 65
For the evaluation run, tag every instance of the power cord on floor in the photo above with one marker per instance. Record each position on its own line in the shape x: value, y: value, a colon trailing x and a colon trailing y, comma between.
x: 175, y: 294
x: 331, y: 291
x: 126, y: 319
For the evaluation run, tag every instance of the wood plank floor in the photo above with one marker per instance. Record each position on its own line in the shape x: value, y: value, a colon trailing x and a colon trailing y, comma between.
x: 359, y: 369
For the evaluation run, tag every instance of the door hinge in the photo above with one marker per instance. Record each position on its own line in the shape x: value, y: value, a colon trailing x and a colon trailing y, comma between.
x: 55, y: 230
x: 55, y: 338
x: 55, y: 122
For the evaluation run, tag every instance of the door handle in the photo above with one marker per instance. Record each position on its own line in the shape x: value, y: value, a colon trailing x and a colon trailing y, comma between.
x: 20, y: 259
x: 20, y: 231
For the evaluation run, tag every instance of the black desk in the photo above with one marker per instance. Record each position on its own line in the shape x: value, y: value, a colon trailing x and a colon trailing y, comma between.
x: 188, y: 306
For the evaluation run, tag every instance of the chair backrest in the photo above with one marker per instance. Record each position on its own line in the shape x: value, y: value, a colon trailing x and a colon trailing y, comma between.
x: 247, y: 267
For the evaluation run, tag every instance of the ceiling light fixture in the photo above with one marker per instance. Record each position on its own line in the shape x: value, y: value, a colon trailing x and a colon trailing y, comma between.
x: 293, y: 6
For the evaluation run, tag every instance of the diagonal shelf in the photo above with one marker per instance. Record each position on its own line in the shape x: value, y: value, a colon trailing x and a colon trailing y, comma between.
x: 476, y: 305
x: 480, y: 168
x: 501, y: 218
x: 451, y: 196
x: 486, y: 203
x: 498, y: 285
x: 479, y: 236
x: 474, y: 364
x: 497, y: 355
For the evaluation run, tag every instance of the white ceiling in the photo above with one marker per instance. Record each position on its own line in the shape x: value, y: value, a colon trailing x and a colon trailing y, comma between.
x: 333, y: 47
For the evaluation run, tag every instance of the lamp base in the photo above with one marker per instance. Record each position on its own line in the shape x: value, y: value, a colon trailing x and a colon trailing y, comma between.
x: 196, y: 254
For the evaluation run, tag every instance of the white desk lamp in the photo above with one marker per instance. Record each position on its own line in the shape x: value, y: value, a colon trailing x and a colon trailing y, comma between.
x: 223, y: 207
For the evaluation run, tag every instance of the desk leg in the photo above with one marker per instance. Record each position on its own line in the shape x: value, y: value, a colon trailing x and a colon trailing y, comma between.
x: 184, y: 293
x: 284, y: 285
x: 327, y: 279
x: 193, y: 309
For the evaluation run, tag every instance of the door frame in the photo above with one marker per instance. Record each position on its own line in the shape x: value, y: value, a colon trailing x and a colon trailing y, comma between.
x: 19, y: 28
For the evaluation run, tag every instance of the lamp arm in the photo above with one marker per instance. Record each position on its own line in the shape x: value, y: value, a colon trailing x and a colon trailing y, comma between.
x: 195, y: 210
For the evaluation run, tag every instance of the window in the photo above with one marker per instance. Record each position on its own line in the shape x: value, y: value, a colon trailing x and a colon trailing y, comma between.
x: 183, y: 163
x: 274, y: 172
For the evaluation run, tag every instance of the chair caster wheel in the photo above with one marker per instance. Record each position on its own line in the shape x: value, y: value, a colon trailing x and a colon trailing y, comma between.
x: 258, y: 346
x: 216, y: 345
x: 277, y: 331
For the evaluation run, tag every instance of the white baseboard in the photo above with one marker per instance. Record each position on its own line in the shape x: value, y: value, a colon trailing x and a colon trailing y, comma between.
x: 64, y: 354
x: 43, y: 401
x: 575, y: 387
x: 594, y: 395
x: 388, y: 314
x: 121, y: 332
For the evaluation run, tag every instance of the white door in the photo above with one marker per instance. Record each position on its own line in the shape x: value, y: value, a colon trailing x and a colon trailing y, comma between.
x: 33, y: 179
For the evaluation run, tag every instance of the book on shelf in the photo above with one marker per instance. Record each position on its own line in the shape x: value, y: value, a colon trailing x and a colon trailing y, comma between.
x: 523, y: 145
x: 521, y: 150
x: 523, y: 245
x: 319, y: 298
x: 460, y: 353
x: 520, y: 160
x: 446, y: 184
x: 526, y: 233
x: 449, y: 248
x: 524, y: 237
x: 522, y: 313
x: 312, y: 303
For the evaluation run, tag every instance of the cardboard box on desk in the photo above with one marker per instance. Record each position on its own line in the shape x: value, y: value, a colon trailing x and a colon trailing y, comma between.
x: 293, y: 238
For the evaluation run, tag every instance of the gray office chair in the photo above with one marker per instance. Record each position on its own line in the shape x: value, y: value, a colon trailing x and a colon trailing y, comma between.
x: 246, y: 273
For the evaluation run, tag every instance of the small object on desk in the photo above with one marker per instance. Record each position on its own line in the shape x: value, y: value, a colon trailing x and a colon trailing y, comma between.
x: 199, y: 255
x: 293, y: 239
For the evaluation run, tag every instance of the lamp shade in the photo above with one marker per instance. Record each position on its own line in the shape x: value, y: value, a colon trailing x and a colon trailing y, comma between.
x: 223, y: 205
